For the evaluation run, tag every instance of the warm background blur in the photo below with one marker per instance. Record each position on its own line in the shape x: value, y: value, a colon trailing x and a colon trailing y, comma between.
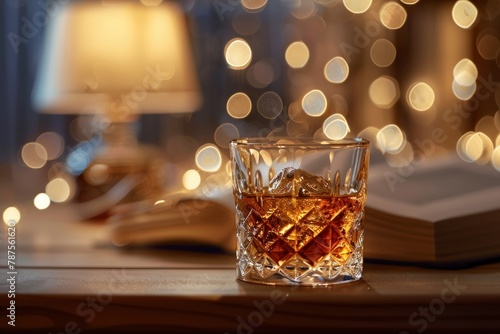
x: 418, y: 78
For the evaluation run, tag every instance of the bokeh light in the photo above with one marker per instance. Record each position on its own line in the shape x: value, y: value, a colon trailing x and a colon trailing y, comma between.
x: 369, y: 133
x: 479, y: 148
x: 392, y: 15
x: 335, y: 127
x: 269, y: 105
x: 238, y: 54
x: 475, y: 147
x: 11, y: 216
x: 336, y: 70
x: 253, y: 5
x: 225, y: 133
x: 98, y: 174
x: 53, y: 144
x: 420, y: 96
x: 357, y: 6
x: 409, y: 2
x: 402, y: 157
x: 384, y: 91
x: 261, y: 74
x: 464, y: 13
x: 487, y: 126
x: 390, y: 139
x: 59, y: 190
x: 56, y: 169
x: 296, y: 129
x: 297, y: 54
x: 41, y: 201
x: 191, y: 179
x: 463, y: 92
x: 303, y: 9
x: 79, y: 158
x: 239, y: 105
x: 296, y: 113
x: 496, y: 120
x: 491, y: 9
x: 34, y: 155
x: 314, y: 103
x: 495, y: 158
x: 488, y: 45
x: 465, y: 72
x: 461, y: 144
x: 208, y: 158
x: 383, y: 52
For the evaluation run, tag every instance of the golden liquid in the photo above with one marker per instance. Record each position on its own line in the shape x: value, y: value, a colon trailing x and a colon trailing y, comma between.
x: 317, y: 229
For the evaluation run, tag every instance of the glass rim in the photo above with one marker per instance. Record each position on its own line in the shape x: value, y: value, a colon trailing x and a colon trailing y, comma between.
x: 350, y: 142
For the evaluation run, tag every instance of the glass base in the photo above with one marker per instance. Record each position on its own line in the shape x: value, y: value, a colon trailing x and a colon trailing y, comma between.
x: 278, y: 279
x: 335, y: 267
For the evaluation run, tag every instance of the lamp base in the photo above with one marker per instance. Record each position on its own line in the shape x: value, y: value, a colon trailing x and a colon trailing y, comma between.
x: 119, y: 156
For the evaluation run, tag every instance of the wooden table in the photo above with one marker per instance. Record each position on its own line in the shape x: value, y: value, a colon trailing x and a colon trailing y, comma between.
x: 69, y: 280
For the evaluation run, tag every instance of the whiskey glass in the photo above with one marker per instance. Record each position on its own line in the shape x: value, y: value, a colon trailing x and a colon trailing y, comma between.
x: 299, y: 209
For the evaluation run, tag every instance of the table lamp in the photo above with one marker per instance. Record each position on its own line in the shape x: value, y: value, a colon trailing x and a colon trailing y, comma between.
x: 117, y: 59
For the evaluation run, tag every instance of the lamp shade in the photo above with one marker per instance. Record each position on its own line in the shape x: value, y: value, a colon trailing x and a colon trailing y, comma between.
x: 120, y: 59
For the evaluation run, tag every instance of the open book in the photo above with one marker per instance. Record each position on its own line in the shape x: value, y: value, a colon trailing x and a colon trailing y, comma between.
x: 446, y: 212
x: 179, y: 219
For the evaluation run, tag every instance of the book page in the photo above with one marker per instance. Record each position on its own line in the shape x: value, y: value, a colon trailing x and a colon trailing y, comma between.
x: 423, y: 188
x: 441, y: 189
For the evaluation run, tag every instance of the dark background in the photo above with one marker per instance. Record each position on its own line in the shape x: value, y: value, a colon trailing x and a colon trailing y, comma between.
x: 420, y: 44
